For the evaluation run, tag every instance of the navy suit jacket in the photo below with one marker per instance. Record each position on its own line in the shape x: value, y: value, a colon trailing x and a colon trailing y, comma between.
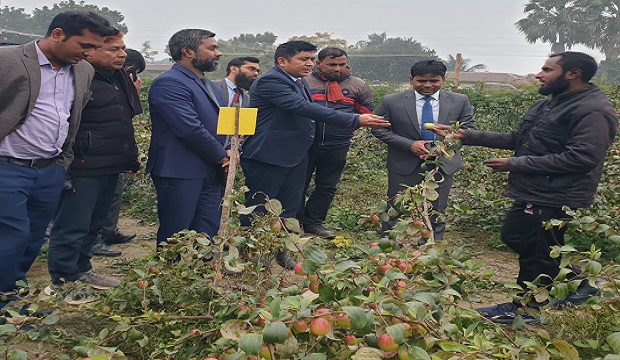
x: 184, y: 140
x: 286, y: 121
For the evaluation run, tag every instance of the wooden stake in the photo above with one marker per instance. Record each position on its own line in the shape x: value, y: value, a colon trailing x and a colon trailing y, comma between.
x: 230, y: 179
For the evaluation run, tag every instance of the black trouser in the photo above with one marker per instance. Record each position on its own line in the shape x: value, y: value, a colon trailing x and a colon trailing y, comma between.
x: 111, y: 224
x: 327, y: 164
x: 273, y: 181
x: 523, y: 232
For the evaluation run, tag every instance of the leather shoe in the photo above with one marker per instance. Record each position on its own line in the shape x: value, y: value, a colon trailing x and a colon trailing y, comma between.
x: 102, y: 249
x: 118, y: 238
x: 286, y: 260
x: 319, y: 230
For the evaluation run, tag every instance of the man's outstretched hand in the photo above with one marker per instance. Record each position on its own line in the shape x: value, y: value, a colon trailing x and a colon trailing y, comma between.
x: 498, y: 165
x: 373, y: 121
x: 442, y: 129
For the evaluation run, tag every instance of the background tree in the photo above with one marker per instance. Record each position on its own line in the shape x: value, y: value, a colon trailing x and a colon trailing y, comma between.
x: 148, y: 53
x: 321, y: 40
x: 385, y: 59
x: 602, y: 26
x: 16, y: 19
x: 556, y: 22
x: 465, y: 65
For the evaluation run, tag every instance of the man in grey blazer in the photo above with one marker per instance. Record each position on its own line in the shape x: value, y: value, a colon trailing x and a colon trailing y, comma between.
x: 44, y: 86
x: 408, y: 142
x: 240, y: 74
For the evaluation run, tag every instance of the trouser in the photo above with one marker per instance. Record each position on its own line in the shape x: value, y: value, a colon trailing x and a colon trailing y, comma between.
x: 327, y: 165
x: 111, y: 223
x: 523, y: 232
x: 192, y: 204
x: 395, y: 186
x: 28, y: 200
x: 80, y: 217
x: 276, y: 182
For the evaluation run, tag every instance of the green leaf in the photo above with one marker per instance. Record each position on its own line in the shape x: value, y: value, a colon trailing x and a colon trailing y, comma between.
x: 567, y: 350
x: 314, y: 253
x: 345, y: 265
x: 382, y: 206
x: 395, y: 273
x: 327, y: 294
x: 614, y: 239
x: 613, y: 340
x: 274, y: 307
x: 309, y: 266
x: 275, y: 333
x: 51, y: 319
x: 541, y: 353
x: 7, y: 328
x: 418, y: 353
x: 357, y: 317
x: 274, y: 206
x: 247, y: 210
x: 367, y: 353
x: 397, y: 332
x: 18, y: 355
x: 103, y: 333
x: 292, y: 224
x: 315, y: 356
x: 251, y: 343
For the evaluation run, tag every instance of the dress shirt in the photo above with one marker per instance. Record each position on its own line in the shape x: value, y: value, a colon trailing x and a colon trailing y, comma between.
x: 419, y: 103
x: 231, y: 92
x: 45, y: 129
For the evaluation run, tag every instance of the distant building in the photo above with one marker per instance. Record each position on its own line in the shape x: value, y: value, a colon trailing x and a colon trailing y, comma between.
x: 491, y: 79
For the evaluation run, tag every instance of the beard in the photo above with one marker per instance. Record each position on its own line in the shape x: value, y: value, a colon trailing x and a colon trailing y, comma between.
x: 243, y: 81
x: 334, y: 76
x: 557, y: 87
x: 205, y: 65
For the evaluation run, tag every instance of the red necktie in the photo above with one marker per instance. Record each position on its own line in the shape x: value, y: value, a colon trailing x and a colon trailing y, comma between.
x: 237, y: 96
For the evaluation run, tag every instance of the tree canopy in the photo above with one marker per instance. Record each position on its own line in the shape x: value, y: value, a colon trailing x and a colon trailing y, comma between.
x: 23, y: 27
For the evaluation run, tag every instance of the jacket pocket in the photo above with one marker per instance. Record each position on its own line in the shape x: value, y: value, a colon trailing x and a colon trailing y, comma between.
x: 83, y: 145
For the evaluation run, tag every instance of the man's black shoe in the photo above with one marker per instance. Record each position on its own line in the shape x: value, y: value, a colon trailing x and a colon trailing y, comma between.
x: 319, y: 230
x: 102, y: 249
x: 118, y: 238
x: 286, y: 260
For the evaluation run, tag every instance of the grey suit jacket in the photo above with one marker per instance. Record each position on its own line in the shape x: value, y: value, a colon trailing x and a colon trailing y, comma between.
x: 400, y: 110
x: 20, y: 75
x: 223, y: 88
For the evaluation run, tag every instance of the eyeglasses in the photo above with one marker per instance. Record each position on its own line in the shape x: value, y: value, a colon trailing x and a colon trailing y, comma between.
x: 251, y: 68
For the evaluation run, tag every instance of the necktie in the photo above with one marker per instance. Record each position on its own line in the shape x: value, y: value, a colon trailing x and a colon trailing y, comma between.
x: 302, y: 87
x: 236, y: 97
x: 427, y: 118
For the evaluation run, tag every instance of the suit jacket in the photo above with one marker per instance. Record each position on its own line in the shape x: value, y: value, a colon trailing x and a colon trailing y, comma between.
x: 400, y: 110
x: 184, y: 112
x: 286, y: 123
x: 20, y: 83
x: 223, y: 88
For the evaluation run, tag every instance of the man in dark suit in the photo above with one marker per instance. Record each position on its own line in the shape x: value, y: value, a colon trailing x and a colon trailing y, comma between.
x: 44, y: 86
x: 275, y: 159
x: 241, y: 73
x: 186, y: 157
x: 408, y: 142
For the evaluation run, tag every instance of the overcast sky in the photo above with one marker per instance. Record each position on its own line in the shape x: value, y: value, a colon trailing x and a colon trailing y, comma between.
x: 482, y: 30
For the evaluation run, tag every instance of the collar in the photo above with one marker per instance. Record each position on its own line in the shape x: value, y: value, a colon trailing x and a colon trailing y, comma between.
x: 418, y: 96
x: 230, y: 84
x: 42, y: 58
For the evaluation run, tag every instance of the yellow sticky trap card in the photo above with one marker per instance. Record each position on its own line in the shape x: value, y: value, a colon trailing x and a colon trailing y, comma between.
x: 226, y: 121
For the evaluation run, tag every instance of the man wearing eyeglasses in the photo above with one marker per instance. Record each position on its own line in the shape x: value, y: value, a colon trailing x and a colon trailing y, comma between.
x: 240, y: 74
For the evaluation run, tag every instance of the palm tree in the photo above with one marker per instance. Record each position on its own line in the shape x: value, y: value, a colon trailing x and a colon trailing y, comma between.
x: 602, y: 24
x: 552, y: 21
x: 465, y: 65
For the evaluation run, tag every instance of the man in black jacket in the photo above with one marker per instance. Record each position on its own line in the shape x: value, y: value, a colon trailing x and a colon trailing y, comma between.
x: 104, y: 147
x: 559, y: 149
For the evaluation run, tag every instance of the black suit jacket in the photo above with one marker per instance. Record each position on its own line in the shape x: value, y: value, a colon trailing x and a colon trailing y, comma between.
x: 286, y: 123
